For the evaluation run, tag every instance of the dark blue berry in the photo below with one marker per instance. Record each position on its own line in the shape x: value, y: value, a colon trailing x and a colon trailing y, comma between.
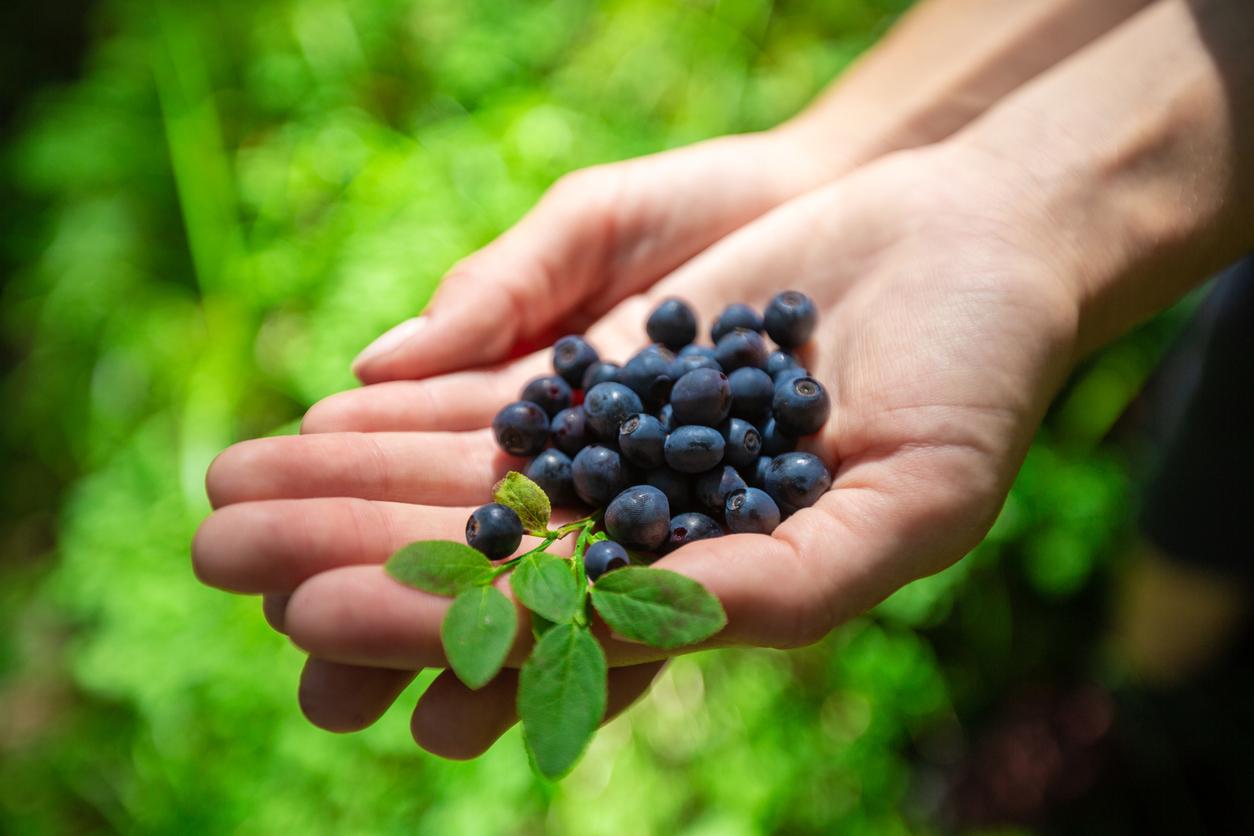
x: 733, y: 317
x: 742, y: 442
x: 789, y: 319
x: 702, y: 396
x: 604, y: 556
x: 691, y: 527
x: 639, y: 518
x: 600, y: 372
x: 780, y: 360
x: 775, y: 440
x: 494, y: 530
x: 600, y: 474
x: 699, y: 350
x: 750, y: 511
x: 667, y: 416
x: 740, y: 348
x: 713, y: 487
x: 550, y: 391
x: 676, y: 486
x: 752, y: 392
x: 796, y: 480
x: 756, y: 475
x: 570, y: 430
x: 801, y: 406
x: 641, y: 438
x: 688, y: 362
x: 551, y: 471
x: 607, y: 405
x: 673, y: 324
x: 521, y: 428
x: 694, y: 449
x: 785, y: 375
x: 650, y: 373
x: 571, y: 358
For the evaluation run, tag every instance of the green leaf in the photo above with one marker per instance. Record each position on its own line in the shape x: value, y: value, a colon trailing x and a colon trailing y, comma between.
x: 528, y: 500
x: 441, y: 567
x: 656, y: 606
x: 477, y: 632
x: 545, y: 584
x: 561, y: 697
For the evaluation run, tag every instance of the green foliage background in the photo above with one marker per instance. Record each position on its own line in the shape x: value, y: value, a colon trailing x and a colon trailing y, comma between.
x: 235, y: 197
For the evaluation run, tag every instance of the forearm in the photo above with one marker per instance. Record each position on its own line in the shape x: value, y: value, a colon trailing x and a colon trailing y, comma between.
x: 1134, y: 160
x: 944, y: 64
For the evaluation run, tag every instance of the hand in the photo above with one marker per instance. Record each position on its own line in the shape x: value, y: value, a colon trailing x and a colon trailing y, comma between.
x: 940, y: 340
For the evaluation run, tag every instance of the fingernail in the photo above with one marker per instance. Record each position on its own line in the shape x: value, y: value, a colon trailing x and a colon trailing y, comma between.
x: 389, y: 341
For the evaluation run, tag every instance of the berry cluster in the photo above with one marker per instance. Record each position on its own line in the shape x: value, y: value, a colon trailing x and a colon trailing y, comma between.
x: 681, y: 443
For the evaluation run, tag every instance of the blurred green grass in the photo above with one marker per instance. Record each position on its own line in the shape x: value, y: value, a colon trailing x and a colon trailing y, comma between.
x: 230, y: 201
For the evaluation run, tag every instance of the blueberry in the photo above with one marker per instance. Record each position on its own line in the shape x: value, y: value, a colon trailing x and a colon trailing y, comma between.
x: 796, y: 480
x: 688, y: 362
x: 791, y: 373
x: 641, y: 439
x: 742, y: 442
x: 551, y: 471
x: 752, y: 392
x: 600, y: 372
x: 775, y: 440
x: 604, y: 556
x: 550, y: 391
x: 650, y: 374
x: 494, y: 530
x: 702, y: 396
x: 756, y: 475
x: 600, y: 474
x: 780, y: 360
x: 571, y: 358
x: 521, y: 428
x: 667, y: 416
x: 639, y: 518
x: 801, y: 406
x: 690, y: 527
x: 789, y: 319
x: 733, y: 317
x: 750, y: 511
x: 570, y: 430
x: 714, y: 486
x: 676, y: 486
x: 741, y: 348
x: 673, y: 324
x: 607, y: 405
x: 694, y: 449
x: 700, y: 350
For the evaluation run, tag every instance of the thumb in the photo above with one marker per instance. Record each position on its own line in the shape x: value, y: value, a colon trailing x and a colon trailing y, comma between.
x: 513, y: 290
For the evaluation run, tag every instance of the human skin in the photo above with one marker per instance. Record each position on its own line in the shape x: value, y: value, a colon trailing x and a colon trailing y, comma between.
x: 958, y: 284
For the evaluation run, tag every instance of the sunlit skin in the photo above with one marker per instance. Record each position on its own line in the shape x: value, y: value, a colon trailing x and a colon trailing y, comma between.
x: 956, y: 286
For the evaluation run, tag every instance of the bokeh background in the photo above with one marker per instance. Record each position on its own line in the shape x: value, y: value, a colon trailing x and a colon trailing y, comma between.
x: 207, y: 209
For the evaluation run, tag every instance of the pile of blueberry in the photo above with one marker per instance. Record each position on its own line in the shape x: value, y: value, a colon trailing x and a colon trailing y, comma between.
x: 682, y: 443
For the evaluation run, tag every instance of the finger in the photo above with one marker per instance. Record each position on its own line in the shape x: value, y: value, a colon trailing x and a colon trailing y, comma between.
x: 453, y: 721
x: 274, y: 608
x: 274, y: 545
x: 345, y: 698
x: 459, y: 401
x: 358, y: 615
x: 597, y: 237
x: 434, y: 468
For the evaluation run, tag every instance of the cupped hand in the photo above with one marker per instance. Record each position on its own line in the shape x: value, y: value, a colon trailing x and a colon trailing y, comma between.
x: 943, y: 332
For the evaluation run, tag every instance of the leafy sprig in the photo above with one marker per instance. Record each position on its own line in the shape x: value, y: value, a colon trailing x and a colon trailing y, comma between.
x: 562, y: 687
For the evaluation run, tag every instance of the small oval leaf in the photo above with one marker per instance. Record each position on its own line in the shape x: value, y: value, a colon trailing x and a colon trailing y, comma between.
x: 528, y: 500
x: 562, y: 697
x: 477, y: 632
x: 545, y: 584
x: 658, y: 607
x: 441, y: 567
